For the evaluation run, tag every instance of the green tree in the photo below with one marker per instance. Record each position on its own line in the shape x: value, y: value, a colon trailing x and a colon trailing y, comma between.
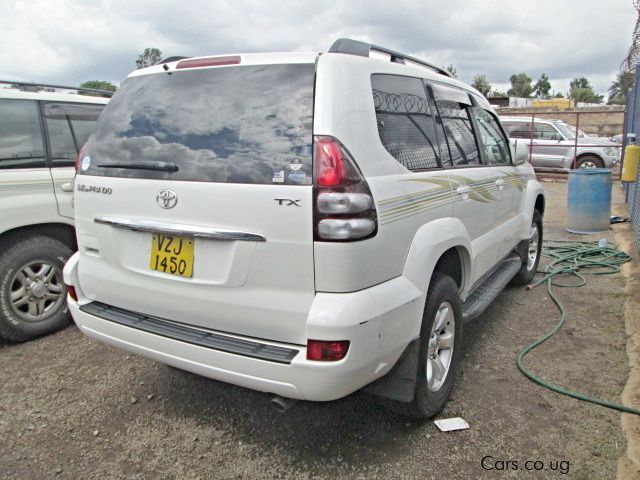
x: 520, y: 85
x: 580, y: 90
x: 481, y: 84
x: 150, y: 56
x: 619, y: 88
x: 97, y: 84
x: 452, y: 70
x: 559, y: 95
x: 498, y: 94
x: 542, y: 87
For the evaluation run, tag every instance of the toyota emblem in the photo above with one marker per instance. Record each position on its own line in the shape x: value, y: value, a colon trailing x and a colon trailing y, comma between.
x: 167, y: 198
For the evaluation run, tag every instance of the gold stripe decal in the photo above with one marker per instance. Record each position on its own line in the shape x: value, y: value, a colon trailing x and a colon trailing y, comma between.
x: 404, y: 206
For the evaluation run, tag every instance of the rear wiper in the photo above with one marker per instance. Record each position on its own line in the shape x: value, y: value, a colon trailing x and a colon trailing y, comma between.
x: 142, y: 165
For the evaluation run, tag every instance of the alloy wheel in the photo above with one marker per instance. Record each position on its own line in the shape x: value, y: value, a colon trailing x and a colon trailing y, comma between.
x: 440, y: 347
x: 36, y: 291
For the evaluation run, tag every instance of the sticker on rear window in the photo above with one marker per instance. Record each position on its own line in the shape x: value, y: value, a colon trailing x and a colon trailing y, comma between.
x: 297, y: 177
x: 296, y: 164
x: 278, y: 177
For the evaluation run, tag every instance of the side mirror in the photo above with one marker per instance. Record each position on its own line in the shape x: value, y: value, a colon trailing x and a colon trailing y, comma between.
x: 519, y: 152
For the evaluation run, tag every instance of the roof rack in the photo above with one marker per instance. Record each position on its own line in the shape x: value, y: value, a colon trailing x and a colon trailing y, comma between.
x: 46, y: 85
x: 362, y: 49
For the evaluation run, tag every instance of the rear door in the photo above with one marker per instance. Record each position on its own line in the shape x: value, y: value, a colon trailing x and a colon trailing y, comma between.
x: 496, y: 152
x: 548, y: 147
x: 473, y: 182
x: 194, y: 199
x: 26, y: 191
x: 68, y: 127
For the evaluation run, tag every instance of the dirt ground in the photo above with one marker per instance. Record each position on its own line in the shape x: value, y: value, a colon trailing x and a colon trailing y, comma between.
x: 74, y: 408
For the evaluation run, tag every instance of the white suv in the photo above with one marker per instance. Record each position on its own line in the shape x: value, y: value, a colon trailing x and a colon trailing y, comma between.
x: 300, y: 224
x: 40, y: 135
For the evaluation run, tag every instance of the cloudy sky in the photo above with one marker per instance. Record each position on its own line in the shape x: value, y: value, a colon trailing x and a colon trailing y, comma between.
x: 70, y: 41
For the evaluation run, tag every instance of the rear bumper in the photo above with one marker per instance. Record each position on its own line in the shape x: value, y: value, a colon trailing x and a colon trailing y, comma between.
x: 377, y: 321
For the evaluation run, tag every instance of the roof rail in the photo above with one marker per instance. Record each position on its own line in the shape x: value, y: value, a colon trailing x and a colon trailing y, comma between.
x: 46, y: 85
x: 362, y: 49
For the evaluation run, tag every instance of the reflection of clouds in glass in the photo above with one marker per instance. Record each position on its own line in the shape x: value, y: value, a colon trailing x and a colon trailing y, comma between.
x: 234, y: 124
x: 20, y: 129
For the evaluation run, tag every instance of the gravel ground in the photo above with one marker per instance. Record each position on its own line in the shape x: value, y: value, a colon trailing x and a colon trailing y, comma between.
x: 74, y: 408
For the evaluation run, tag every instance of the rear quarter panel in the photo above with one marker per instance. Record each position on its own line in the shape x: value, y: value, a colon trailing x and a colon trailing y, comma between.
x: 405, y: 201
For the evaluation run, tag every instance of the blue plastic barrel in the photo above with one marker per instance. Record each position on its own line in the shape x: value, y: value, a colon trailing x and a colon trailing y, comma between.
x: 589, y: 200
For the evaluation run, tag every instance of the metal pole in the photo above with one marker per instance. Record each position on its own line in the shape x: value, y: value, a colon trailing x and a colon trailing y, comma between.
x: 575, y: 141
x: 533, y: 117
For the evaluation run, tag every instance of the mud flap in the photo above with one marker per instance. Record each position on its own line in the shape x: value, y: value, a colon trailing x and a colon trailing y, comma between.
x: 400, y: 383
x: 522, y: 249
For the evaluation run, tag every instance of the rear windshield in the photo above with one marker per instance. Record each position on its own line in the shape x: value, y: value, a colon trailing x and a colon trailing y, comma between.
x: 249, y: 124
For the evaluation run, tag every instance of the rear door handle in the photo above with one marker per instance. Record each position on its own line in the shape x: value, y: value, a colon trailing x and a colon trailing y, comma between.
x: 463, y: 190
x: 67, y: 187
x: 500, y: 183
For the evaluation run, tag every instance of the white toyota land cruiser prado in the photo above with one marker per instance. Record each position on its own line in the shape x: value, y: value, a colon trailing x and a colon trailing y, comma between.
x: 301, y: 224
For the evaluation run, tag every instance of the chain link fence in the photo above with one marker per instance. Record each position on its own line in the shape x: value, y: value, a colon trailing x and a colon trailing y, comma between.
x: 632, y: 126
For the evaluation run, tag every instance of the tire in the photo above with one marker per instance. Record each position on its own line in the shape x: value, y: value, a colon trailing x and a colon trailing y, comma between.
x: 530, y: 268
x: 589, y: 161
x: 33, y: 299
x: 430, y: 397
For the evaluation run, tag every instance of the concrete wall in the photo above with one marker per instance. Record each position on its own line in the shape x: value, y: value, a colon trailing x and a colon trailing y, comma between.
x: 604, y: 121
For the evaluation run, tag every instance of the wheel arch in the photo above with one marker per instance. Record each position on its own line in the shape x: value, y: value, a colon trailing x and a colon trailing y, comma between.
x: 63, y: 232
x: 454, y: 262
x: 449, y: 251
x: 590, y: 154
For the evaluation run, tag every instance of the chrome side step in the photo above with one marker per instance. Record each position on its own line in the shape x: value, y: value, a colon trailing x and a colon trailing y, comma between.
x: 485, y: 293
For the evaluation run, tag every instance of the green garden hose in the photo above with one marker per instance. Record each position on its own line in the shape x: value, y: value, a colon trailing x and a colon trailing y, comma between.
x: 576, y: 259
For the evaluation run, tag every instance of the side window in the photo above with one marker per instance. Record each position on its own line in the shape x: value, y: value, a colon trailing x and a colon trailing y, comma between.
x: 69, y: 126
x: 454, y: 106
x: 494, y: 143
x: 82, y: 129
x: 445, y: 155
x: 543, y: 131
x: 406, y: 121
x: 518, y: 129
x: 20, y: 135
x: 63, y: 148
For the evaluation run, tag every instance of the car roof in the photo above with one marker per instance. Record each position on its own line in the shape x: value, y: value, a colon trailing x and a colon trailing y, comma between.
x: 278, y: 58
x: 245, y: 59
x: 504, y: 118
x: 57, y: 96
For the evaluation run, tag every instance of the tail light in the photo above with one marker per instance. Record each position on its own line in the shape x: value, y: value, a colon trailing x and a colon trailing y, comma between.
x: 343, y: 205
x: 327, y: 351
x: 80, y: 157
x: 208, y: 62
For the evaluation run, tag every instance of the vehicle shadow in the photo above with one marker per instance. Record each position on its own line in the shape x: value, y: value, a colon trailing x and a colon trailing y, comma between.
x: 354, y: 429
x: 357, y: 430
